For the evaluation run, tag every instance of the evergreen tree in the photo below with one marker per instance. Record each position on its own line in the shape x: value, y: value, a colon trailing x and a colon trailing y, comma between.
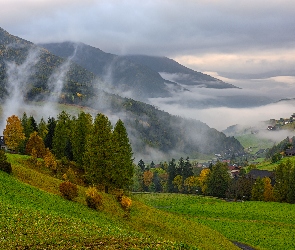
x: 171, y: 175
x: 218, y: 180
x: 122, y: 169
x: 98, y: 157
x: 51, y: 124
x: 42, y: 129
x: 291, y: 190
x: 61, y: 138
x: 281, y: 187
x: 141, y: 165
x: 188, y: 169
x: 81, y: 129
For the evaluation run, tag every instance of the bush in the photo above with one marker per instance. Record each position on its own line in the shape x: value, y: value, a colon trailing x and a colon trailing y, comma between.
x: 126, y: 203
x: 6, y: 167
x: 93, y: 198
x: 68, y: 190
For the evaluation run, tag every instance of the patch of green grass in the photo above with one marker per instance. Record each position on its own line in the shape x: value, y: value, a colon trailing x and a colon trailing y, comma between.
x: 255, y: 142
x: 59, y: 224
x: 264, y: 225
x: 267, y: 165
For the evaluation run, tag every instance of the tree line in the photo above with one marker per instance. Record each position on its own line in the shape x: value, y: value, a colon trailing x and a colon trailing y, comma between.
x: 100, y: 154
x: 183, y: 177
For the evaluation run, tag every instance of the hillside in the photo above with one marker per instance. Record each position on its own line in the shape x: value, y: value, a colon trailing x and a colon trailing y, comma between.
x: 31, y: 73
x: 37, y: 70
x: 178, y: 73
x: 61, y: 224
x: 119, y: 74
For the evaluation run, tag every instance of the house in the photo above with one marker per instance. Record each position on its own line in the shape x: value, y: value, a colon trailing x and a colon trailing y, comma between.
x: 290, y: 152
x: 2, y: 143
x: 257, y: 173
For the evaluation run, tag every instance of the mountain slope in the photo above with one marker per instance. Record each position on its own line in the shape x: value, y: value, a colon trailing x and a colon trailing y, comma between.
x: 38, y: 72
x: 178, y: 73
x: 118, y: 73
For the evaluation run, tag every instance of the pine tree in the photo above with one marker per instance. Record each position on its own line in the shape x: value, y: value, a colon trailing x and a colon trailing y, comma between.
x: 171, y: 175
x: 123, y: 169
x: 42, y: 129
x: 51, y: 124
x: 218, y: 180
x: 141, y: 165
x: 98, y: 157
x: 81, y: 129
x: 61, y: 138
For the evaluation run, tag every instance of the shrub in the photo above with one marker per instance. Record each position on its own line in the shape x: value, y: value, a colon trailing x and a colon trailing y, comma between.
x: 93, y: 198
x: 119, y: 193
x: 126, y: 203
x: 68, y: 190
x: 6, y: 167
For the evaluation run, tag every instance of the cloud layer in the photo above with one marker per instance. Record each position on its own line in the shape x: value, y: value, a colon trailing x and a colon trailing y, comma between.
x: 246, y: 36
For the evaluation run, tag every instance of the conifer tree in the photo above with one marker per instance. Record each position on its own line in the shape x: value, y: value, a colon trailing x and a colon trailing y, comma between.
x: 98, y: 157
x: 61, y: 138
x: 171, y: 175
x: 123, y: 169
x: 81, y: 129
x: 42, y: 129
x: 51, y: 124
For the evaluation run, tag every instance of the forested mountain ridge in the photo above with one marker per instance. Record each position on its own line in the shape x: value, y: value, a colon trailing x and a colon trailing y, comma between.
x: 178, y: 72
x: 40, y: 65
x: 150, y: 129
x: 116, y: 71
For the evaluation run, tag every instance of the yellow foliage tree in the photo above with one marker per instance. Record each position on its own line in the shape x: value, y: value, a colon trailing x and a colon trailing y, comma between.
x: 203, y: 179
x: 35, y: 142
x: 268, y: 190
x: 148, y: 178
x: 178, y: 182
x: 13, y: 132
x: 191, y: 183
x: 50, y: 160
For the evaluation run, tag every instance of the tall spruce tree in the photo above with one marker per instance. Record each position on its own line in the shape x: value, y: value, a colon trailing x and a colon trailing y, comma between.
x: 51, y: 124
x: 123, y: 169
x: 171, y: 175
x: 98, y: 157
x: 61, y: 138
x: 81, y: 129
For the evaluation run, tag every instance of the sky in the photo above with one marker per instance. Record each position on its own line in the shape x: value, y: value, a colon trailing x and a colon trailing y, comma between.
x: 244, y: 37
x: 250, y: 44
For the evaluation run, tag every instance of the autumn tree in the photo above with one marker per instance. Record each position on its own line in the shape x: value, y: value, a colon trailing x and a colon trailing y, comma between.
x: 50, y: 161
x: 178, y: 183
x: 35, y: 142
x: 268, y: 190
x: 191, y: 184
x: 147, y: 179
x: 258, y: 190
x: 203, y: 179
x: 13, y: 132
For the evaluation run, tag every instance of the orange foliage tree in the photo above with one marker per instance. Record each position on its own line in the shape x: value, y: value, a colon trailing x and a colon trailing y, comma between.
x: 35, y: 142
x: 13, y: 132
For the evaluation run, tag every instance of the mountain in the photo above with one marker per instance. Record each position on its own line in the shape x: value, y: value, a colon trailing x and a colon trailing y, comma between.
x: 172, y: 70
x: 154, y: 134
x: 120, y: 74
x: 24, y: 63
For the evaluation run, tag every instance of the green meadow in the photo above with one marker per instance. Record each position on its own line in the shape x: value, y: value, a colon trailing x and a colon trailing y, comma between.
x: 263, y: 225
x: 33, y: 215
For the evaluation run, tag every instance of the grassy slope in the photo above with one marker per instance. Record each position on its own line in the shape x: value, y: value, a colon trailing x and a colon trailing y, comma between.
x: 252, y: 140
x: 36, y: 219
x: 264, y: 225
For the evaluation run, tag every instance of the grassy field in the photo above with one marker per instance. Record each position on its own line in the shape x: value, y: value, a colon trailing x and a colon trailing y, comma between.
x: 253, y: 141
x: 267, y: 165
x: 36, y: 217
x: 264, y: 225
